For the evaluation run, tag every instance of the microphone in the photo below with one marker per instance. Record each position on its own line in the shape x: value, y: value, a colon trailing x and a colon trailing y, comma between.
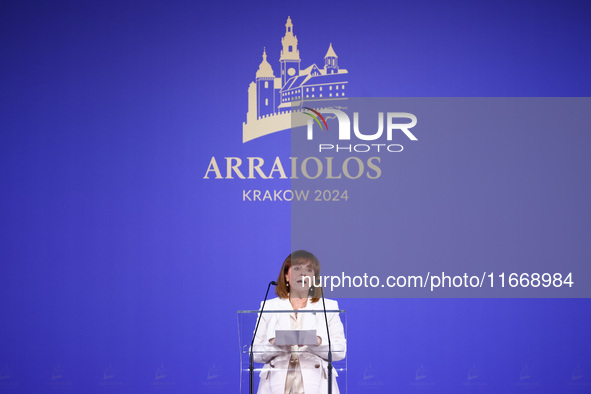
x: 329, y: 344
x: 251, y: 355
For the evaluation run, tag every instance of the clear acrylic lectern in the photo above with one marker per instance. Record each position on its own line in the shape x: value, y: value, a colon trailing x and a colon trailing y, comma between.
x: 273, y: 359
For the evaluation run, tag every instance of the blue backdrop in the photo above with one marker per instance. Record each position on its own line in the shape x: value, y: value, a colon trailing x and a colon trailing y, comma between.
x: 122, y: 268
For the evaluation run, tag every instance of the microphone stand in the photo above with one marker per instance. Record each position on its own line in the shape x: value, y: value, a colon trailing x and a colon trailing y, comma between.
x: 329, y: 344
x: 251, y: 355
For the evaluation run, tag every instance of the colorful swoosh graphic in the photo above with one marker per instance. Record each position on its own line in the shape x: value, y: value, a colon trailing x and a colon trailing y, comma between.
x: 316, y: 119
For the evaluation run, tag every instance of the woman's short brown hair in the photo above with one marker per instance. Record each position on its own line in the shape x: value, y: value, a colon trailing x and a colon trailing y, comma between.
x: 299, y: 257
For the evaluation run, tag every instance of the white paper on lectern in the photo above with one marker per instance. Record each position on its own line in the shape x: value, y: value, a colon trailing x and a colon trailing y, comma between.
x: 295, y: 337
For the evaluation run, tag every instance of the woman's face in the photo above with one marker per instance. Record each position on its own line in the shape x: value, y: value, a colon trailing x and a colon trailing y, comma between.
x: 295, y: 276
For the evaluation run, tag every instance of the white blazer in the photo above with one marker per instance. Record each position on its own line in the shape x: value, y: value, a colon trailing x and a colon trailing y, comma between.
x: 313, y: 359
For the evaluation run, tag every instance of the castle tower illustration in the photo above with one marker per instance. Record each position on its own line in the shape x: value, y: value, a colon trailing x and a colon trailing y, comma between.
x: 272, y: 100
x: 290, y: 56
x: 331, y: 63
x: 265, y: 90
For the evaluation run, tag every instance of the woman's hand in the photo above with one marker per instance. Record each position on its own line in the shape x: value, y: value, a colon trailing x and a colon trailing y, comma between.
x: 318, y: 342
x: 284, y: 348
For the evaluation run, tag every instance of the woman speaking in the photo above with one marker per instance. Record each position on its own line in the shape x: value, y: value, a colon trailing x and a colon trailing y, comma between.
x: 296, y: 369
